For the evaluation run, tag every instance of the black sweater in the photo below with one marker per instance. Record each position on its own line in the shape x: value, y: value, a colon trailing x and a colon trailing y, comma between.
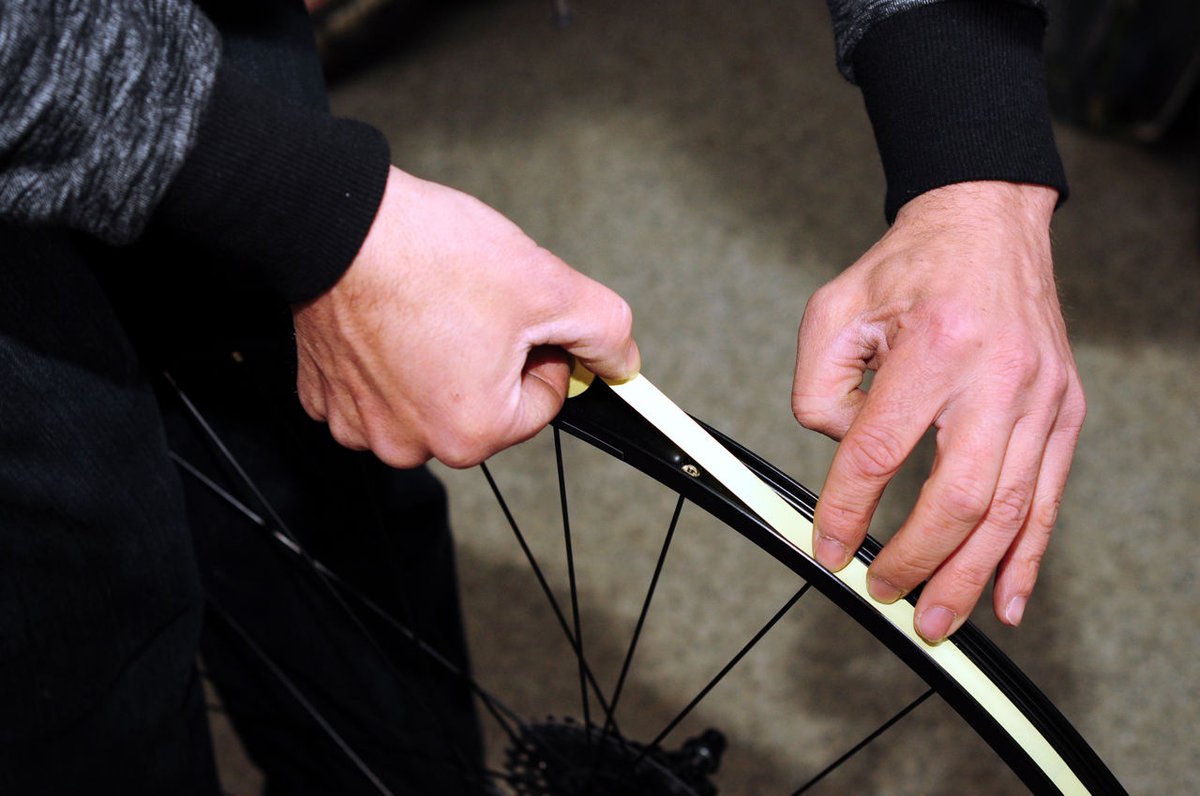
x: 117, y: 115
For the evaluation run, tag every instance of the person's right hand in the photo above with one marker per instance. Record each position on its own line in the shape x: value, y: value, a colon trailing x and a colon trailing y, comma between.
x: 448, y: 335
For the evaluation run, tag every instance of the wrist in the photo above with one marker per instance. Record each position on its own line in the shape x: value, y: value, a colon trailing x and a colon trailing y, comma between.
x: 985, y: 201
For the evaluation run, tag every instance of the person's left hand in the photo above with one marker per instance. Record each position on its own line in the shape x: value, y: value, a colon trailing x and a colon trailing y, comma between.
x: 957, y: 311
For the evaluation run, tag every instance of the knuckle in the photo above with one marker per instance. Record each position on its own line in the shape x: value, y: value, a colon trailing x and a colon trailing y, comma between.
x: 949, y: 332
x: 345, y: 434
x: 1009, y: 507
x: 310, y: 395
x: 1044, y: 515
x: 810, y: 411
x: 1074, y: 410
x: 606, y: 323
x: 1058, y: 382
x: 461, y: 454
x: 397, y: 451
x: 619, y: 326
x: 1020, y: 572
x: 839, y: 519
x: 622, y: 316
x: 457, y: 460
x: 972, y: 575
x: 611, y: 314
x: 906, y: 565
x: 821, y: 302
x: 1032, y: 563
x: 905, y: 572
x: 467, y: 447
x: 1057, y: 388
x: 311, y: 406
x: 874, y: 451
x: 962, y: 502
x: 826, y: 307
x: 1017, y: 368
x: 399, y: 457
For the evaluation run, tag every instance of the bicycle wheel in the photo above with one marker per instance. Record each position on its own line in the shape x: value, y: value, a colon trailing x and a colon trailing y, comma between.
x: 969, y: 672
x: 594, y: 750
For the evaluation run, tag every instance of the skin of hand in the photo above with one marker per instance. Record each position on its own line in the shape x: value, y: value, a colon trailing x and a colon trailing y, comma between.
x: 956, y: 311
x: 448, y: 336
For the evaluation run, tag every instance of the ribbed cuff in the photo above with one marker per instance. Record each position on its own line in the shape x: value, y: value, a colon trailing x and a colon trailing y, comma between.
x: 279, y: 196
x: 956, y: 92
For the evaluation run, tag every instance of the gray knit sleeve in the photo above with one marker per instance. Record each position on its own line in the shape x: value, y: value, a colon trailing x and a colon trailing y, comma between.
x: 853, y: 18
x: 99, y: 104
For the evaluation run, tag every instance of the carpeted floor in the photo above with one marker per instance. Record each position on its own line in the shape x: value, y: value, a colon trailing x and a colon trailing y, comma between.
x: 705, y: 159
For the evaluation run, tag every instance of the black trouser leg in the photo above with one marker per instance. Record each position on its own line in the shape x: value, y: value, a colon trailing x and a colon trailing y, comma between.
x: 100, y: 602
x: 407, y: 718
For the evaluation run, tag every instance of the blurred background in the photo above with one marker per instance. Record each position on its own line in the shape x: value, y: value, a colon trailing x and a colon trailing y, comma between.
x: 705, y: 159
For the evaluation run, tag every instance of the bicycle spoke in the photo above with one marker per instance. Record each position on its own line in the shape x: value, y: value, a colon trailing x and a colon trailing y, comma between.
x: 546, y: 590
x: 566, y: 523
x: 863, y: 743
x: 302, y: 700
x: 495, y: 706
x: 641, y: 620
x: 226, y: 454
x: 220, y: 491
x: 279, y: 525
x: 726, y: 669
x: 331, y: 581
x: 469, y: 773
x: 606, y: 733
x: 282, y: 533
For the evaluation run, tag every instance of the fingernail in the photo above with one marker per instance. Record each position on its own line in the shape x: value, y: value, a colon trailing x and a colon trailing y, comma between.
x: 882, y: 590
x: 830, y: 553
x: 934, y: 623
x: 1015, y: 610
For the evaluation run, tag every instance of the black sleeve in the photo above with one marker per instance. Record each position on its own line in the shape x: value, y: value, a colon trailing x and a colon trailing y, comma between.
x: 282, y: 194
x: 956, y: 92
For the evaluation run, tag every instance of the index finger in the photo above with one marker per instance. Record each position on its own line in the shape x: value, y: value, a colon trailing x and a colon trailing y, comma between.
x: 895, y: 415
x: 595, y: 325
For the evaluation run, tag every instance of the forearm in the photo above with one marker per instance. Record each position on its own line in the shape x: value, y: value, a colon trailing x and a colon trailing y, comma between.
x: 852, y: 19
x: 277, y: 196
x: 100, y: 102
x: 955, y: 92
x: 123, y: 117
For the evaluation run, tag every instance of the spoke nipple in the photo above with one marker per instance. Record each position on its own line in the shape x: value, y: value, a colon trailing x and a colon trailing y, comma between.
x: 691, y: 470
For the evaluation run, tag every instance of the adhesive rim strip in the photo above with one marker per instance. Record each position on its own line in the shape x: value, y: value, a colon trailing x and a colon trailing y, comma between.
x: 648, y: 401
